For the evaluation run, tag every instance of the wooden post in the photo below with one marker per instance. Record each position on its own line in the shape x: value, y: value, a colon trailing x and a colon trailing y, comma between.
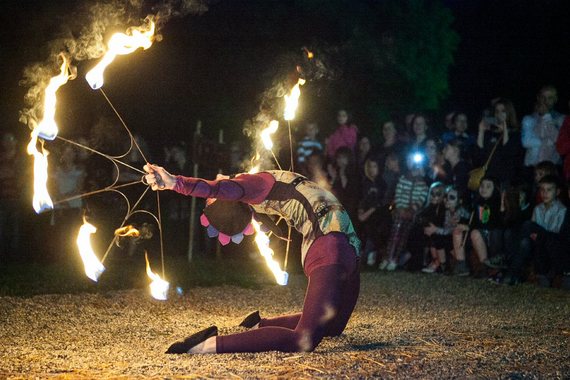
x: 218, y: 244
x: 192, y: 229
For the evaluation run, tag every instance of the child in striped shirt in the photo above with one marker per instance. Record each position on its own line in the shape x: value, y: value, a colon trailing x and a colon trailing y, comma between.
x: 411, y: 194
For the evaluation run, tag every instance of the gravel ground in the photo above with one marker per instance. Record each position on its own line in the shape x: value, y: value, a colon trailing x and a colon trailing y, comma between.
x: 405, y: 326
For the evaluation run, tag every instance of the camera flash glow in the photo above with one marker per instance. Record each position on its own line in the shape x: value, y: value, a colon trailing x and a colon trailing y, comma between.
x: 418, y: 157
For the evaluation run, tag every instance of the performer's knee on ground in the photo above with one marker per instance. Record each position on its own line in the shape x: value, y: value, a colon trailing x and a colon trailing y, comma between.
x: 306, y: 341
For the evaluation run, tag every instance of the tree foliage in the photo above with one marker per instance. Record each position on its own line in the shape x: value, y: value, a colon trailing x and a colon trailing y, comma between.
x: 395, y: 54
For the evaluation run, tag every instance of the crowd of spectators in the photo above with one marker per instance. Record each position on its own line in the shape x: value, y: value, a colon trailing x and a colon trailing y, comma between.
x: 488, y: 202
x: 484, y: 198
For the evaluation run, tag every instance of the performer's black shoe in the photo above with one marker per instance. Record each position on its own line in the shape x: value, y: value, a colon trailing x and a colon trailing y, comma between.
x: 251, y: 320
x: 193, y: 340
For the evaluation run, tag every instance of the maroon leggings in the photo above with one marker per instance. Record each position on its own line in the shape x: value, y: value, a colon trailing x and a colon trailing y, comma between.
x: 334, y: 284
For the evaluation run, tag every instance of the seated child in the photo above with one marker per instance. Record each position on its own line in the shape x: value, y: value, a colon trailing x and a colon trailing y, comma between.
x: 542, y: 169
x: 485, y: 232
x: 543, y: 236
x: 441, y: 237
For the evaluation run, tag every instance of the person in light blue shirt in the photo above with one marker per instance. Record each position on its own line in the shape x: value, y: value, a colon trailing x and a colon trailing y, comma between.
x: 540, y: 129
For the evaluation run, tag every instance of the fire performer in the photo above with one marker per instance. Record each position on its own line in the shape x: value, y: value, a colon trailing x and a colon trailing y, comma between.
x: 330, y: 251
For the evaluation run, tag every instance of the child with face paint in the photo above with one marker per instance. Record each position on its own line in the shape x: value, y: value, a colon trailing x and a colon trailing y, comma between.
x: 441, y: 237
x: 485, y: 233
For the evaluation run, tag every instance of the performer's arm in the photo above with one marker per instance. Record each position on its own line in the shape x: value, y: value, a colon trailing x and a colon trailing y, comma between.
x: 248, y: 188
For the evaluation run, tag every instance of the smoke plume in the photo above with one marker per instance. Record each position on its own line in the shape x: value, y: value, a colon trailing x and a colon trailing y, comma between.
x: 83, y: 38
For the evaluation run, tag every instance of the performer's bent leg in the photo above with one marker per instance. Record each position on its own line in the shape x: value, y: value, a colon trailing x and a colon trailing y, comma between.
x: 329, y: 249
x: 332, y: 292
x: 350, y: 291
x: 321, y: 306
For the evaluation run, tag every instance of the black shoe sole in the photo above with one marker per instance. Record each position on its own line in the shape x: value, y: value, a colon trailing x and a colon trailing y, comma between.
x: 251, y: 320
x: 193, y: 340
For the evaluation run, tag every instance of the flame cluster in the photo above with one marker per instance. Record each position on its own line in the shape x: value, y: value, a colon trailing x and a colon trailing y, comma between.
x: 261, y: 239
x: 122, y: 44
x: 47, y: 129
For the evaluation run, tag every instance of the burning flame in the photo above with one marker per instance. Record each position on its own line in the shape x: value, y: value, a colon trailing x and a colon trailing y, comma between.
x: 292, y: 100
x: 267, y: 132
x: 254, y: 169
x: 128, y: 231
x: 41, y: 201
x: 93, y: 267
x: 121, y: 44
x: 47, y: 128
x: 262, y: 241
x: 158, y: 286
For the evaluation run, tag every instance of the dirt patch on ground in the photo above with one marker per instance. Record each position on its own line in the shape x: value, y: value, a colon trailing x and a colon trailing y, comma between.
x: 405, y: 325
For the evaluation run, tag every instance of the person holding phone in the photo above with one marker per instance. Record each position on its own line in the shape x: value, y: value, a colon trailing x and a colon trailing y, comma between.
x: 506, y: 162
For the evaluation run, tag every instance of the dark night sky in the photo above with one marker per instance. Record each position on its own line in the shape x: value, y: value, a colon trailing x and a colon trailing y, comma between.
x: 508, y: 48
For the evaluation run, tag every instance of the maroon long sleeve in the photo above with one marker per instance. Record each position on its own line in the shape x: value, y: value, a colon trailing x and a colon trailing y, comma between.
x: 247, y: 188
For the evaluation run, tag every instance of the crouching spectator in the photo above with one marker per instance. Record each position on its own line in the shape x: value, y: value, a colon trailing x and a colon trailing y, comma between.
x: 543, y: 237
x: 486, y: 232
